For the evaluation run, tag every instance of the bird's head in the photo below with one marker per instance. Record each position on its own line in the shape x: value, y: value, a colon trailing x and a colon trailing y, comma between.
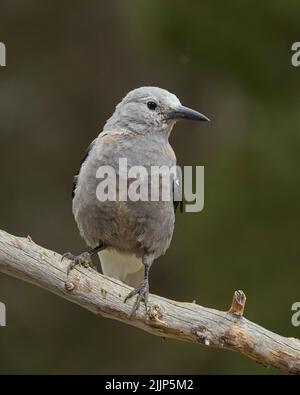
x: 150, y: 110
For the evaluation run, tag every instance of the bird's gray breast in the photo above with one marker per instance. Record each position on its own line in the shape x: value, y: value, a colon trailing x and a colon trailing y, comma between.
x: 133, y: 226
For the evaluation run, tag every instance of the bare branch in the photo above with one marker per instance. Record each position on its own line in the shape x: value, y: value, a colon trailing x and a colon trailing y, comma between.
x: 22, y: 258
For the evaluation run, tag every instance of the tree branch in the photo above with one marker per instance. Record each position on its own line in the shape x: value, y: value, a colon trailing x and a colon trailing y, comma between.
x: 22, y: 258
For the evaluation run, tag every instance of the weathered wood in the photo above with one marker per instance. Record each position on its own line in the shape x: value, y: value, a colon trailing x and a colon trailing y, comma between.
x: 22, y: 258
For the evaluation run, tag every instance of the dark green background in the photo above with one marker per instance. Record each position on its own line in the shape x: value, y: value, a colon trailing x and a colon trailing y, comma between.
x: 68, y: 64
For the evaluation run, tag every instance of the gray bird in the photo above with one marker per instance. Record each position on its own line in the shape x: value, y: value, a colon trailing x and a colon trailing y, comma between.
x: 129, y: 235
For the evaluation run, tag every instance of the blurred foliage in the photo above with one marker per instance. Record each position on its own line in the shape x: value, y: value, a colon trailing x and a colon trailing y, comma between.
x: 67, y: 66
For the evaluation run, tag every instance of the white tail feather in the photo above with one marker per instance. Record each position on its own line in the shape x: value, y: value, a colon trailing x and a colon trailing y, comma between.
x: 125, y: 267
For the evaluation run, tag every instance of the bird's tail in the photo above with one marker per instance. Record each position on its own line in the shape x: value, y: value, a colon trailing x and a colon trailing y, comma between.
x: 125, y: 267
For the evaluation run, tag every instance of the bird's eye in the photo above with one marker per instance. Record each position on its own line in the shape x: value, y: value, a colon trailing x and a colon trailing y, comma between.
x: 151, y: 105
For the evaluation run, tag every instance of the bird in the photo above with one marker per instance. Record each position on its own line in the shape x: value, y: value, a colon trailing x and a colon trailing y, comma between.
x: 129, y: 235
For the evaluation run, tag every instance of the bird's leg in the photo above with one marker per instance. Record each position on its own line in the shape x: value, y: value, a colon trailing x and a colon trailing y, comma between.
x: 142, y: 291
x: 83, y: 259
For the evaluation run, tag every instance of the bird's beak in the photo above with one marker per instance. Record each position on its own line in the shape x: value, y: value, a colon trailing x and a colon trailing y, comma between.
x: 182, y: 112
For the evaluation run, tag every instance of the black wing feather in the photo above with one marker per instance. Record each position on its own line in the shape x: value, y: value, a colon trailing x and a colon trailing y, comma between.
x: 81, y: 164
x: 176, y: 203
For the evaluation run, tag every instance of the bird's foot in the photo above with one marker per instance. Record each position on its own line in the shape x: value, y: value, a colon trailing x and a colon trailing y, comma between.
x: 142, y: 292
x: 83, y: 259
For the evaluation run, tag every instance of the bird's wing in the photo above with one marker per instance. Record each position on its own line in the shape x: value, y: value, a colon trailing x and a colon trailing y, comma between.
x: 177, y: 198
x: 80, y: 166
x: 176, y: 204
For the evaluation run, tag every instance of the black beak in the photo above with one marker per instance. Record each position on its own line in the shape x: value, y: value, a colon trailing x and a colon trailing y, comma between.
x: 182, y: 112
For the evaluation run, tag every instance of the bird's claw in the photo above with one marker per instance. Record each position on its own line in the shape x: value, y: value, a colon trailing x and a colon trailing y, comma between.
x: 83, y: 259
x: 142, y: 292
